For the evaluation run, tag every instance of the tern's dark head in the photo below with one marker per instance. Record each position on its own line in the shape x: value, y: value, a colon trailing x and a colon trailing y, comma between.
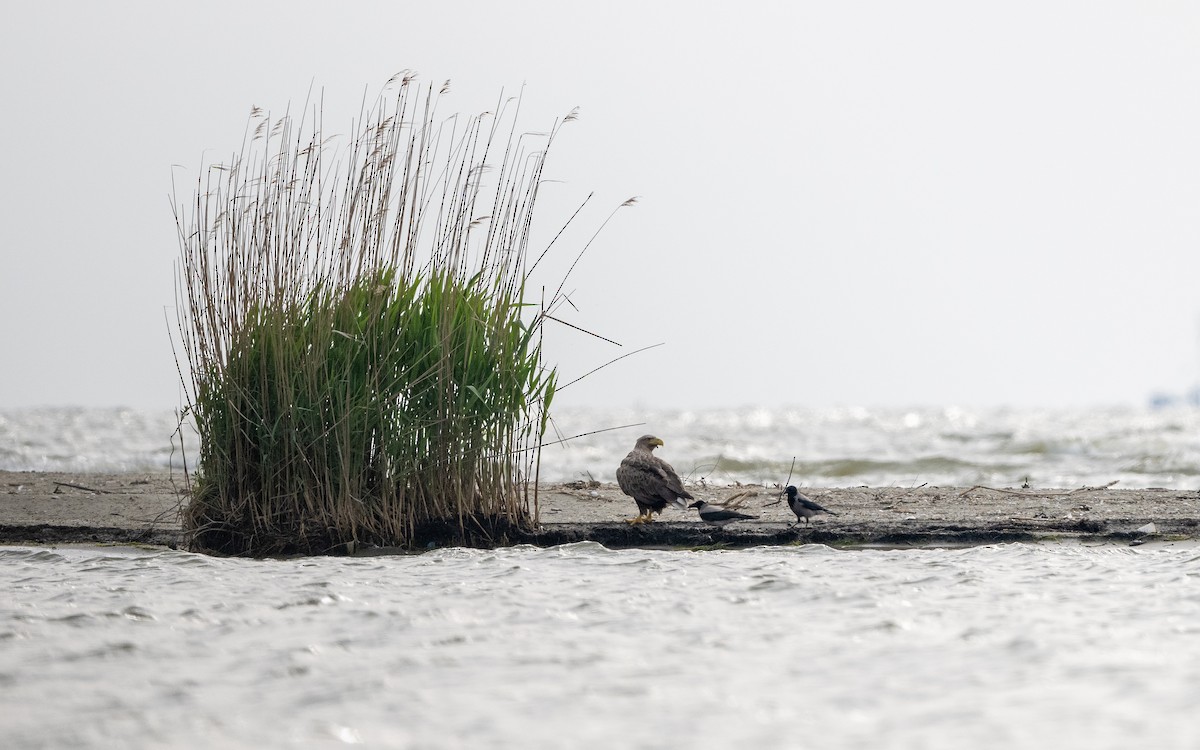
x: 696, y: 504
x: 792, y: 492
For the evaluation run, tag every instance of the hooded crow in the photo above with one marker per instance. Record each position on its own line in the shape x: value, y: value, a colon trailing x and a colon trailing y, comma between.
x: 804, y: 507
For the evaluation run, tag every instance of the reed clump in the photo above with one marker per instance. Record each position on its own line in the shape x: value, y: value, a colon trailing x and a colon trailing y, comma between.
x: 365, y: 366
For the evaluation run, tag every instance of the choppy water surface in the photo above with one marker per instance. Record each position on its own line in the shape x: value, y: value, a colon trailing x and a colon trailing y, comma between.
x: 831, y: 447
x: 579, y: 646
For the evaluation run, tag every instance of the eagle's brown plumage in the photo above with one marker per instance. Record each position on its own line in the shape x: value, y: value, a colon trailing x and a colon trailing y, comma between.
x: 650, y: 481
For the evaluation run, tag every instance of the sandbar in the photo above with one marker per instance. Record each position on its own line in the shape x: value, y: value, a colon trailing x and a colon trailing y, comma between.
x: 144, y: 508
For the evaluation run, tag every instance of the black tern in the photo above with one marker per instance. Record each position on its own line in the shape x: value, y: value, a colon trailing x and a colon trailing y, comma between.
x: 718, y: 516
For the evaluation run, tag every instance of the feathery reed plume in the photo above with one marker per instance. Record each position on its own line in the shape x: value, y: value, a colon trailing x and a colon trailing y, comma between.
x: 361, y: 372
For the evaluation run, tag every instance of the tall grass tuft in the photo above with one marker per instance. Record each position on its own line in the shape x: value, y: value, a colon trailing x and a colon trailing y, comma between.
x: 365, y: 364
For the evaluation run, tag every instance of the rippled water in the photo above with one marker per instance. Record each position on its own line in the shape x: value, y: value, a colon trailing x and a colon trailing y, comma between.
x: 579, y: 646
x: 831, y: 447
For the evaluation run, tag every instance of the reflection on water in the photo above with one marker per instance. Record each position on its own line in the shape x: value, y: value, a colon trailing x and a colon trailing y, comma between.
x: 578, y: 646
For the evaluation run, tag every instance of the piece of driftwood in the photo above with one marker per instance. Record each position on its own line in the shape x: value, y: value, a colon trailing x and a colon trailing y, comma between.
x: 81, y: 487
x: 1034, y: 493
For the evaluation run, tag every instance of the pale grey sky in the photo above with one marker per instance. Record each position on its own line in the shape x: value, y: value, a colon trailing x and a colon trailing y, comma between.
x: 872, y: 203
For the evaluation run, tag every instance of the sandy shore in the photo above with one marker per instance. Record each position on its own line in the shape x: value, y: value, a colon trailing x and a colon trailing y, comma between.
x: 39, y: 507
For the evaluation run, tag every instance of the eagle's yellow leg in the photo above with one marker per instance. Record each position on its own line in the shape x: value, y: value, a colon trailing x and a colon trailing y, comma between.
x: 640, y: 519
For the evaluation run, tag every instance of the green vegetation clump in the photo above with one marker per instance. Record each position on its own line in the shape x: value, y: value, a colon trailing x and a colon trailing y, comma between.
x: 364, y: 366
